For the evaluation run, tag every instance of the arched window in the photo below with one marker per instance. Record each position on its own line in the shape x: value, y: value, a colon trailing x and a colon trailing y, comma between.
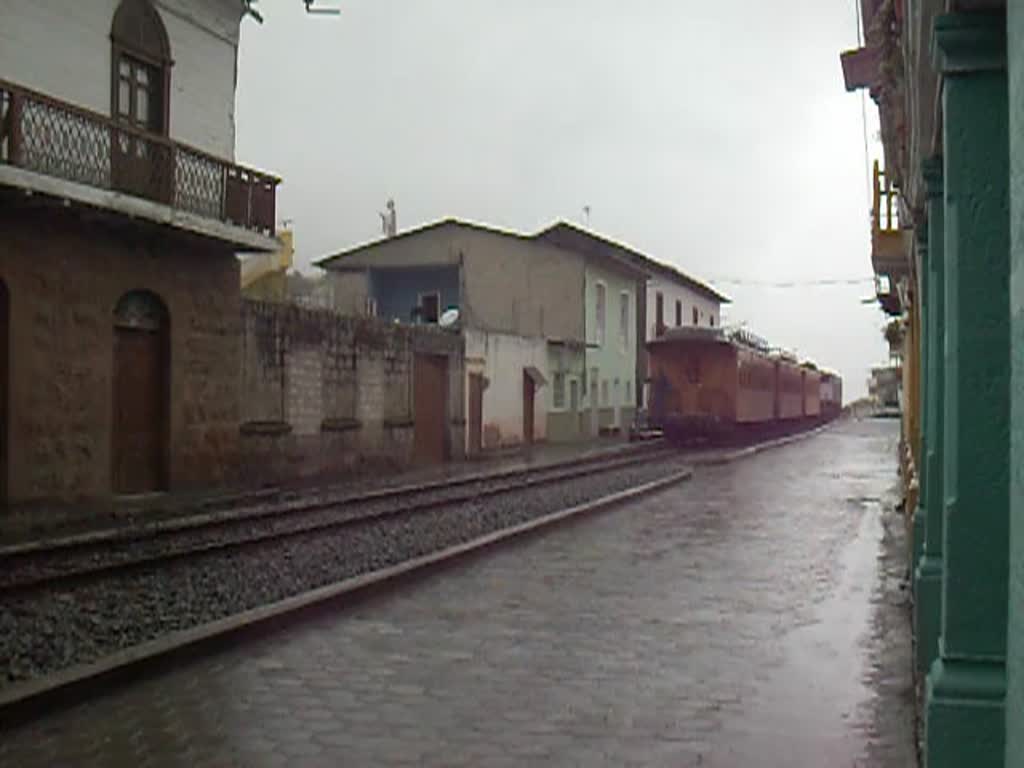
x: 140, y: 311
x: 141, y: 61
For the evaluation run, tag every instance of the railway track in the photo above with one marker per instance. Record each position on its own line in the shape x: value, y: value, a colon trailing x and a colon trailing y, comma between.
x: 72, y: 562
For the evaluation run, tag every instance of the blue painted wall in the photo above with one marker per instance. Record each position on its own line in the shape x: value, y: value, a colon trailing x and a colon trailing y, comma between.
x: 397, y: 290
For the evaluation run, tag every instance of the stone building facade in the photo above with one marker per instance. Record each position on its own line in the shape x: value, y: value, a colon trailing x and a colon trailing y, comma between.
x: 61, y: 334
x: 122, y: 212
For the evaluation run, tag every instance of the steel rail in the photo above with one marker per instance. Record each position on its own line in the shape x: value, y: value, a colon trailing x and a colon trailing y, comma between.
x: 239, y: 537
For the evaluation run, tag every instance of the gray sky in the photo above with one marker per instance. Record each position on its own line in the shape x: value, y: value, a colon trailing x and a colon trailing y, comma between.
x: 714, y: 136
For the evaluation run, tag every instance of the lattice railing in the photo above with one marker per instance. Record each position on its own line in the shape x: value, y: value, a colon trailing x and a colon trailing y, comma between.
x: 47, y: 136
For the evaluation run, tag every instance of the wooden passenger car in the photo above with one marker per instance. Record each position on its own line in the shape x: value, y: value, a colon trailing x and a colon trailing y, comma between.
x: 789, y: 391
x: 812, y: 391
x: 704, y: 382
x: 831, y: 389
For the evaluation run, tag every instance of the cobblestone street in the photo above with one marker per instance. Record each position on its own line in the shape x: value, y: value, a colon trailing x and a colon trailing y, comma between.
x: 750, y: 617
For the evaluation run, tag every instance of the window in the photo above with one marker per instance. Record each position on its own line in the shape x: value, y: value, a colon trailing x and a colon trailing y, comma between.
x: 624, y: 320
x: 558, y: 389
x: 696, y: 317
x: 600, y: 314
x: 604, y: 392
x: 659, y: 314
x: 138, y: 94
x: 371, y: 306
x: 711, y: 321
x: 679, y: 313
x: 430, y: 307
x: 629, y: 392
x: 141, y: 59
x: 593, y: 385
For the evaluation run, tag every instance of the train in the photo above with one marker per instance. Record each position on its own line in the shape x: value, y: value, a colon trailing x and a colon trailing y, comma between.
x: 709, y: 384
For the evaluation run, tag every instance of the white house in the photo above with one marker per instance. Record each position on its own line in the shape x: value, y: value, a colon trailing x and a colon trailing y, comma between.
x: 675, y: 300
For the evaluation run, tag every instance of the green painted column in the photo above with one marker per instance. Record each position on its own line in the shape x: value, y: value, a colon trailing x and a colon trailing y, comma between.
x: 1015, y: 634
x: 928, y: 577
x: 965, y: 693
x: 920, y: 512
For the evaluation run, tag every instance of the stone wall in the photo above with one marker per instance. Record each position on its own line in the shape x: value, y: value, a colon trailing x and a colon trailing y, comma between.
x: 64, y: 276
x: 324, y: 394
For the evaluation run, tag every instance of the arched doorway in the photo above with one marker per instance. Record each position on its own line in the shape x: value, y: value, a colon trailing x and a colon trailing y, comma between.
x: 5, y: 392
x: 141, y: 352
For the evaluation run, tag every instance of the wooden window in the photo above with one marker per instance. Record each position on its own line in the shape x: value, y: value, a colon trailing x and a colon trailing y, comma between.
x: 679, y: 313
x: 659, y: 314
x: 601, y: 311
x: 696, y: 317
x: 141, y: 60
x: 711, y: 321
x: 139, y: 94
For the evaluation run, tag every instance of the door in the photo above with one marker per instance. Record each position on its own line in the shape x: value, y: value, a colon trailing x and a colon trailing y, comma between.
x: 528, y: 398
x: 138, y: 411
x: 4, y: 387
x: 141, y: 164
x: 140, y: 408
x: 476, y: 413
x: 430, y: 400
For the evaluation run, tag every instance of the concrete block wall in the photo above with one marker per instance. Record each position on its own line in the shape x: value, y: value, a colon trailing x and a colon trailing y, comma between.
x: 326, y: 394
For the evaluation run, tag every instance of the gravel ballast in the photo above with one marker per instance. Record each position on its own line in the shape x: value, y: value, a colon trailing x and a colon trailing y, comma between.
x: 52, y: 629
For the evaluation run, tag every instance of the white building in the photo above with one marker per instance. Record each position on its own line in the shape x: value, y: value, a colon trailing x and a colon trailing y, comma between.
x: 676, y: 300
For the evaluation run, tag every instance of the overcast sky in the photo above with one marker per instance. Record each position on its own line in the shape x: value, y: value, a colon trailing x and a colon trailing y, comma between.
x: 713, y: 136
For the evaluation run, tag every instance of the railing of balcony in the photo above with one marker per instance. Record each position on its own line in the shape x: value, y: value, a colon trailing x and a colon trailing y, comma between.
x: 47, y: 136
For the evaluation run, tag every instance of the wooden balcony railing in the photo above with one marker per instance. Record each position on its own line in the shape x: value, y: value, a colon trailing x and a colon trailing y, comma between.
x: 889, y: 243
x: 51, y: 137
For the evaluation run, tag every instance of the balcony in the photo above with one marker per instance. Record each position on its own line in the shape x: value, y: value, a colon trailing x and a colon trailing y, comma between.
x: 890, y: 245
x: 109, y: 165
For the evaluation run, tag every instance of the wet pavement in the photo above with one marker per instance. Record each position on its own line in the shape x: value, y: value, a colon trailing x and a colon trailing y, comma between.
x: 751, y: 617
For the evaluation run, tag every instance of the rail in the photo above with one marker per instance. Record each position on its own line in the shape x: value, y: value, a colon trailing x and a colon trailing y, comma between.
x: 51, y: 137
x: 75, y: 562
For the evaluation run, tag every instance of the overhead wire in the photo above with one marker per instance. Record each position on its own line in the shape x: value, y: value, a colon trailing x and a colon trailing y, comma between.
x: 792, y: 283
x: 864, y: 115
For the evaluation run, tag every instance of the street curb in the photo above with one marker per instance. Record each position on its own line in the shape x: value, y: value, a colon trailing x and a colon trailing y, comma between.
x: 199, y: 519
x: 36, y: 694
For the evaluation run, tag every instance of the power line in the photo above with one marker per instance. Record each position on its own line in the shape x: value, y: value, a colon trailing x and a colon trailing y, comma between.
x: 864, y: 116
x: 792, y: 283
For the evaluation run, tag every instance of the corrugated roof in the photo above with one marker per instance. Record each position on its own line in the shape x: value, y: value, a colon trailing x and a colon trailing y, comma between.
x: 450, y: 221
x: 638, y: 259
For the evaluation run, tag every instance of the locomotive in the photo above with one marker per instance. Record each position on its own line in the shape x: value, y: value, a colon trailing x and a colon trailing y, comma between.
x: 708, y: 384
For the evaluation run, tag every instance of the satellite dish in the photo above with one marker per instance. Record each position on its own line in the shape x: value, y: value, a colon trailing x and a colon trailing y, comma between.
x: 449, y: 318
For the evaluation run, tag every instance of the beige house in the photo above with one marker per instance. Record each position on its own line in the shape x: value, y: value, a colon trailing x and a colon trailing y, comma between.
x: 520, y: 307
